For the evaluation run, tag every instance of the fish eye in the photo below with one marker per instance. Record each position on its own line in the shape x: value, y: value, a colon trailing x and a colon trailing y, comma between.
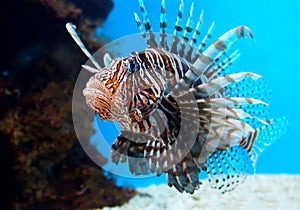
x: 131, y: 65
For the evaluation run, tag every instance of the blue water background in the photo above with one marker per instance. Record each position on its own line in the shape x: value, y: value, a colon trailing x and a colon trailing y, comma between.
x: 275, y: 25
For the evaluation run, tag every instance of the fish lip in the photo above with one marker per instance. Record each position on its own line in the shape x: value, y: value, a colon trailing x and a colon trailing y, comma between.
x: 93, y: 96
x: 88, y: 91
x: 94, y: 83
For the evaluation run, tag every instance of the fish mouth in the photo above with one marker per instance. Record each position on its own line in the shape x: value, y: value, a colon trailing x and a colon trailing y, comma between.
x: 90, y: 92
x: 99, y: 102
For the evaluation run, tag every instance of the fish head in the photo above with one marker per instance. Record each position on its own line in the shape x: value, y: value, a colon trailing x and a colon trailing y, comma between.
x: 103, y: 93
x: 98, y: 96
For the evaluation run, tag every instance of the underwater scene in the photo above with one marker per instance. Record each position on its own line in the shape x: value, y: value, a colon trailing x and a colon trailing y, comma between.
x: 139, y: 104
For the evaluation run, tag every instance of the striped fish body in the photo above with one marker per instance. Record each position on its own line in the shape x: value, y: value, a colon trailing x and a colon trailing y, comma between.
x: 146, y: 88
x: 155, y: 105
x: 181, y: 108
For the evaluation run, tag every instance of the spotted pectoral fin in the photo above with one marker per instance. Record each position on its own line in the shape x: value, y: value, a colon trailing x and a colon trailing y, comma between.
x: 208, y: 89
x: 228, y: 168
x: 248, y: 87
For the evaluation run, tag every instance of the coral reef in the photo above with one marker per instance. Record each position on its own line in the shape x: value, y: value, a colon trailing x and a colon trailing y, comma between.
x: 44, y: 163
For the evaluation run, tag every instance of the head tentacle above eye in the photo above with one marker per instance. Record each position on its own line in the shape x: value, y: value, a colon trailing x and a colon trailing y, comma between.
x: 107, y: 59
x: 72, y: 31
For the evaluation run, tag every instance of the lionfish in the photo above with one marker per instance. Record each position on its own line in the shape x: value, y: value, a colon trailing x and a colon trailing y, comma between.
x: 181, y: 108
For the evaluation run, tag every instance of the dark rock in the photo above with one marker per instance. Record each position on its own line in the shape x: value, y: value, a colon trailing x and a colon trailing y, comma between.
x: 44, y: 165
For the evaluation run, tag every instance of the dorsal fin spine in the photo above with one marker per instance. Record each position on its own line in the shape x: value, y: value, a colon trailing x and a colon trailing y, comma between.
x: 139, y: 23
x: 195, y: 37
x: 177, y: 29
x: 203, y: 44
x: 163, y: 25
x: 151, y: 37
x: 187, y: 31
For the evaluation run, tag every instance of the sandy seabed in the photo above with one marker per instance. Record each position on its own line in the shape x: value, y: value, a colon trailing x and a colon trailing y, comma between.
x: 257, y: 192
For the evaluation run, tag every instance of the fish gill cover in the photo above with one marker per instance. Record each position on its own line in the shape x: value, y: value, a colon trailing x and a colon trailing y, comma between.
x: 180, y: 107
